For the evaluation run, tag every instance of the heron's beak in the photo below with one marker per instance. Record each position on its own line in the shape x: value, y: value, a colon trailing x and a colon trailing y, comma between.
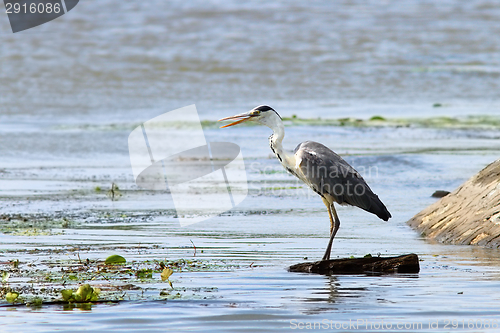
x: 242, y: 117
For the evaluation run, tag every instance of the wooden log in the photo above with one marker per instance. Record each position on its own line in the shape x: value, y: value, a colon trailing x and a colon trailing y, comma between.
x: 407, y: 263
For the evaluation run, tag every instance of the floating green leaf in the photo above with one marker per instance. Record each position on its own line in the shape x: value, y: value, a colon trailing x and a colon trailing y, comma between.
x: 5, y: 276
x: 11, y: 296
x: 115, y: 259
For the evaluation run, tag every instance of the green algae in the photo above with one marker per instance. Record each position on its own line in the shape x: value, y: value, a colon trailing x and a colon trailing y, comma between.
x: 465, y: 122
x: 77, y: 281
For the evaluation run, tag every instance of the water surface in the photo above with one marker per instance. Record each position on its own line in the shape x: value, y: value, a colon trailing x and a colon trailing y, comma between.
x: 72, y: 91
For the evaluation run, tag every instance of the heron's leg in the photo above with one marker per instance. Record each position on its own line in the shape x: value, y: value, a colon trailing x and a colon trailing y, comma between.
x: 327, y: 204
x: 331, y: 210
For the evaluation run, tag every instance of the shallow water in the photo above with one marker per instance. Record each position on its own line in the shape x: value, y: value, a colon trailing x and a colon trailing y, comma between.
x: 276, y: 226
x: 73, y: 90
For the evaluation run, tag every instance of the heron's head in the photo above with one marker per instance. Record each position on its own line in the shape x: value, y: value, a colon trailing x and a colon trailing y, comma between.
x: 262, y: 114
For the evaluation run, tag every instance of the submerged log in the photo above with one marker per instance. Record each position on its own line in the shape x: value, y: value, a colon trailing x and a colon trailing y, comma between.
x: 470, y: 215
x: 407, y: 263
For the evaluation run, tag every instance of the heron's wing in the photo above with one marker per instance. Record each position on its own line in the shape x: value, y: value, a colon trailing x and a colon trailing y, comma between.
x: 327, y: 173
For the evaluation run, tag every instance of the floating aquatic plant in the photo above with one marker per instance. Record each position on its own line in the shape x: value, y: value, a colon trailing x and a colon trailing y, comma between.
x: 11, y: 296
x: 85, y: 293
x: 115, y: 259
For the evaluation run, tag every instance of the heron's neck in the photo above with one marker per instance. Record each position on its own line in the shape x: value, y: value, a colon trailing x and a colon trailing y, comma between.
x: 278, y: 134
x: 275, y: 141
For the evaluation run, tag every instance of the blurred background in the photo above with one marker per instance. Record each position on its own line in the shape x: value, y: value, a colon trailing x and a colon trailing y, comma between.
x: 127, y: 58
x: 117, y: 63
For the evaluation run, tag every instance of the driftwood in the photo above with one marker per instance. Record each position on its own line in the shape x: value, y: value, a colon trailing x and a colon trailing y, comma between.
x: 407, y: 263
x: 470, y: 215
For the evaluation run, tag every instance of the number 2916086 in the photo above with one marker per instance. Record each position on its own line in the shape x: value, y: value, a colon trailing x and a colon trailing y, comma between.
x: 33, y: 8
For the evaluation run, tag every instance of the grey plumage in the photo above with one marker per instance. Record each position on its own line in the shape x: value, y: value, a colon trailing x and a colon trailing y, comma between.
x: 329, y: 174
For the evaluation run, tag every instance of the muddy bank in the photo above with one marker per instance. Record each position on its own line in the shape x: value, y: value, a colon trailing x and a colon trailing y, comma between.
x: 470, y: 215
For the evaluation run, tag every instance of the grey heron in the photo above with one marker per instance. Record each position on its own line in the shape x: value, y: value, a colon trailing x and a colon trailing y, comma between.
x: 325, y: 172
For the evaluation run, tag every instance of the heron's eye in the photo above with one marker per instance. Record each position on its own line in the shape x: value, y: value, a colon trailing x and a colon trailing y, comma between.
x: 255, y: 112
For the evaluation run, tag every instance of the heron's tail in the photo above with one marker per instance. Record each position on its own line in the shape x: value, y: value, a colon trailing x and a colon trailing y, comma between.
x: 378, y: 208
